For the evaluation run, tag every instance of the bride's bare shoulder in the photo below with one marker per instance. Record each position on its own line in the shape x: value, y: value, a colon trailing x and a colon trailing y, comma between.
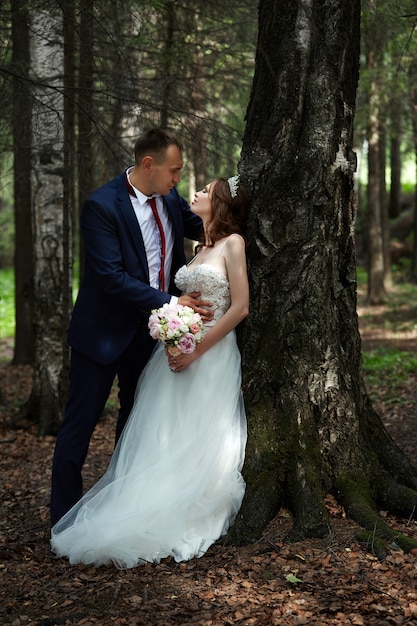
x: 235, y: 241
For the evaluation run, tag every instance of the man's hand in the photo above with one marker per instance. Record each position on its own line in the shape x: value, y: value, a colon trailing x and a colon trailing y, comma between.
x: 199, y: 306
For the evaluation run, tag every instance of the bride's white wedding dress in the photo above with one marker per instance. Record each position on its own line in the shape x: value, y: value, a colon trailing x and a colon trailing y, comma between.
x: 173, y: 485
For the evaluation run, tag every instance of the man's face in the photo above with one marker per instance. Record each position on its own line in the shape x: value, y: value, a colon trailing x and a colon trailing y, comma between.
x: 166, y: 174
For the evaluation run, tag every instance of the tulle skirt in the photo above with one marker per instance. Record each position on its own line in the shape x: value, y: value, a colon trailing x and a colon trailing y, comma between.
x: 173, y: 485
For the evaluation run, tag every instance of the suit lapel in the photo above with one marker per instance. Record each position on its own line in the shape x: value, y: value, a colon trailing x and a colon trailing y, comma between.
x: 128, y: 214
x: 133, y: 228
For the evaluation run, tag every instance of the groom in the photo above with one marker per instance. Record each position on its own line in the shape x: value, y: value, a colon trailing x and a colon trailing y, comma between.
x: 131, y: 256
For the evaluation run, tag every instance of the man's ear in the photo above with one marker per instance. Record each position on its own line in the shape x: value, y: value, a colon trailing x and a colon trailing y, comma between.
x: 147, y: 163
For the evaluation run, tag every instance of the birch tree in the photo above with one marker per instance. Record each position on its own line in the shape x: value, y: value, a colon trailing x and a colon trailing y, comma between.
x: 45, y: 405
x: 313, y: 430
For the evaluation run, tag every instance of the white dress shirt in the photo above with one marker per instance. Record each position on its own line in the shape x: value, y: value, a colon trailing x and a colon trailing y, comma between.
x: 151, y: 235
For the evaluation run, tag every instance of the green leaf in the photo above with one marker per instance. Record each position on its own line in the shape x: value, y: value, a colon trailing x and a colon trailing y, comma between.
x: 293, y: 579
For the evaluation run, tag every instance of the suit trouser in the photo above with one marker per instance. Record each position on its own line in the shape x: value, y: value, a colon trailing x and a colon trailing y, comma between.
x: 90, y: 386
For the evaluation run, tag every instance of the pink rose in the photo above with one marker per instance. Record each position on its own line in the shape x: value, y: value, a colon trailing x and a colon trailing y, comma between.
x: 155, y: 330
x: 187, y: 343
x: 174, y: 323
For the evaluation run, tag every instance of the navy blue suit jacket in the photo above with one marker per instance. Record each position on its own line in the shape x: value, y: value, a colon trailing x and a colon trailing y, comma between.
x: 115, y: 296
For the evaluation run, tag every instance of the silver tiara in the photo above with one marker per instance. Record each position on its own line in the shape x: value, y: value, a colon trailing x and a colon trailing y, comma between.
x: 233, y: 185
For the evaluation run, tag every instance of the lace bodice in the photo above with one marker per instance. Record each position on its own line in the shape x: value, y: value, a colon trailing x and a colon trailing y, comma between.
x: 212, y: 284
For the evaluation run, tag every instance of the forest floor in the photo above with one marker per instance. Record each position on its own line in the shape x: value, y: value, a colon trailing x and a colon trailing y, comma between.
x: 334, y: 580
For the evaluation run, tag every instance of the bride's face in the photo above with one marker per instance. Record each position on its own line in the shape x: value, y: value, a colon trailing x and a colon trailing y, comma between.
x: 201, y: 205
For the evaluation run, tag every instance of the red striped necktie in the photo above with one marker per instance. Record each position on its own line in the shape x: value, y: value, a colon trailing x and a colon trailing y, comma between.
x: 152, y: 202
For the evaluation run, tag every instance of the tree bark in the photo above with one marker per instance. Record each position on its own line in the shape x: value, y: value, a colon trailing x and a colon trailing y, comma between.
x: 312, y: 429
x: 45, y: 405
x: 375, y: 252
x: 168, y: 61
x: 374, y: 42
x: 395, y: 159
x: 85, y: 146
x: 24, y: 346
x: 68, y: 183
x: 384, y: 208
x: 413, y: 105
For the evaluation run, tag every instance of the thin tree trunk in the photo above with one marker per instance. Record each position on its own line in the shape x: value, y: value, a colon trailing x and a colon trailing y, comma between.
x: 45, y: 405
x: 168, y: 60
x: 68, y: 183
x: 395, y: 160
x: 415, y: 213
x: 383, y: 203
x: 376, y: 261
x: 414, y: 253
x: 374, y: 40
x: 413, y: 105
x: 85, y: 159
x: 24, y: 347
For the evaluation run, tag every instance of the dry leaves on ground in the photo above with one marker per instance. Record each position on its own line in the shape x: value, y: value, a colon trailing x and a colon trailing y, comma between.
x: 330, y: 581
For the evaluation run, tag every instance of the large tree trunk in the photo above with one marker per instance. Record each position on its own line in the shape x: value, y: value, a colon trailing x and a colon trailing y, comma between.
x: 312, y: 428
x: 24, y: 347
x: 45, y: 405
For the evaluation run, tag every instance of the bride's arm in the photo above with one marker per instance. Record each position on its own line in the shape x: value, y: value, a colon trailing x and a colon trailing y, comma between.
x: 235, y: 260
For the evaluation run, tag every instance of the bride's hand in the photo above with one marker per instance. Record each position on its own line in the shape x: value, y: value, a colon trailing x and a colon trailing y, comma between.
x: 177, y: 363
x: 199, y: 306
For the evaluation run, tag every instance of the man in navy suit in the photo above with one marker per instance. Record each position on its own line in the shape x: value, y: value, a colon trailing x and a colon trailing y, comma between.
x: 108, y: 333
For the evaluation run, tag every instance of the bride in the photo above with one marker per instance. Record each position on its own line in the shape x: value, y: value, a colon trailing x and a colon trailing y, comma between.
x: 173, y: 485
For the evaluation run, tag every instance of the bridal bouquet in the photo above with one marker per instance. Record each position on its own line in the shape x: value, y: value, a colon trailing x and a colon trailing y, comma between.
x: 178, y: 327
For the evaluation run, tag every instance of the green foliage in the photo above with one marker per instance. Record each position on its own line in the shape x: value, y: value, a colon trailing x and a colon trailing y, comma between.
x: 7, y: 311
x: 386, y: 372
x: 362, y: 277
x: 386, y: 369
x: 6, y: 212
x: 7, y: 317
x: 408, y: 187
x: 388, y: 362
x: 6, y: 235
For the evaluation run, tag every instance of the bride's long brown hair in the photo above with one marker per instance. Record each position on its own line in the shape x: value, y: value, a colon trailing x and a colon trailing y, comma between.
x: 229, y: 214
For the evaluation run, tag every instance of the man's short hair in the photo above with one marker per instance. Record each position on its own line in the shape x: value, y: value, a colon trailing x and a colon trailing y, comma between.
x: 154, y: 142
